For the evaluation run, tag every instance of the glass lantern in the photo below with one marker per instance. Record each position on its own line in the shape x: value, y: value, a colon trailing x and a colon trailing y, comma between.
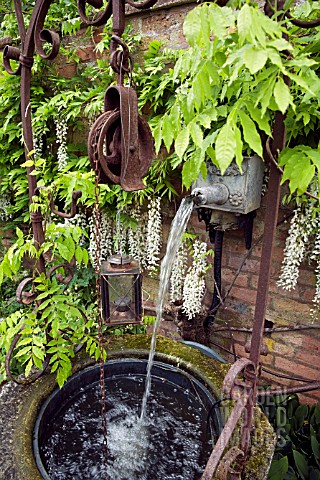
x: 121, y: 290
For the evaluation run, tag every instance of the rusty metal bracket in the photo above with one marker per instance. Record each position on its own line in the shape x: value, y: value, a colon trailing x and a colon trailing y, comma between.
x: 240, y: 391
x: 75, y: 197
x: 25, y: 297
x: 226, y: 469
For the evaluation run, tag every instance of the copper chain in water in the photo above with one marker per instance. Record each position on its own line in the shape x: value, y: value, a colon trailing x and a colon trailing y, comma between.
x: 97, y: 212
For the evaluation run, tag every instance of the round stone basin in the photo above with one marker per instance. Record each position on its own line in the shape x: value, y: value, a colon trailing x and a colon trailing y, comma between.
x: 20, y: 405
x: 173, y: 441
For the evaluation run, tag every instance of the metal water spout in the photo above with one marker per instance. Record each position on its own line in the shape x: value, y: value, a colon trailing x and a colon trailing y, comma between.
x: 217, y: 193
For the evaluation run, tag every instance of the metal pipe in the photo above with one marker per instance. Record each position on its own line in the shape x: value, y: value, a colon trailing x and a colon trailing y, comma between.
x: 217, y: 261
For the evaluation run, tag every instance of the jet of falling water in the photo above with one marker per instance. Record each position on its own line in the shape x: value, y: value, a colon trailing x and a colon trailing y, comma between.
x: 178, y: 227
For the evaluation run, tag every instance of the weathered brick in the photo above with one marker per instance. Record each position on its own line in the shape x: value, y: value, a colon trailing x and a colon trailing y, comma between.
x: 86, y: 53
x: 228, y: 277
x: 67, y: 70
x: 307, y: 294
x: 292, y: 308
x: 306, y: 276
x: 250, y: 265
x: 309, y: 398
x: 297, y: 369
x: 244, y: 294
x: 278, y: 348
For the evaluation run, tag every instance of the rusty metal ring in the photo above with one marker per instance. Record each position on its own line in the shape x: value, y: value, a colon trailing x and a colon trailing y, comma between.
x: 99, y: 19
x: 113, y: 117
x: 11, y: 53
x: 231, y: 379
x: 26, y: 380
x: 121, y: 62
x: 303, y: 23
x: 47, y: 36
x: 23, y: 297
x: 61, y: 278
x: 224, y: 470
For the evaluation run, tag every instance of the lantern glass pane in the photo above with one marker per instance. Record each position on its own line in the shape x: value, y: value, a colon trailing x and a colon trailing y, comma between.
x: 121, y: 298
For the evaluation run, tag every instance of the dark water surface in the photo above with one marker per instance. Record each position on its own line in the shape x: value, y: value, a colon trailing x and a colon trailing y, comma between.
x: 173, y: 442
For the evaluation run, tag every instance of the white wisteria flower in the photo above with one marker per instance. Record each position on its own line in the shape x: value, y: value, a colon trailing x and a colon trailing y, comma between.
x: 4, y: 204
x: 295, y: 249
x: 194, y: 285
x: 137, y: 236
x: 178, y: 274
x: 105, y: 237
x: 154, y: 234
x: 61, y: 132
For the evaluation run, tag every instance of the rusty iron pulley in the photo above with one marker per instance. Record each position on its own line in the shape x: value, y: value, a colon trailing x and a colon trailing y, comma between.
x: 120, y: 140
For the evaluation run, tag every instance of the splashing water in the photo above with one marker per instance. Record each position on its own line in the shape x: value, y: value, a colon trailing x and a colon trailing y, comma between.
x: 178, y: 227
x: 172, y: 443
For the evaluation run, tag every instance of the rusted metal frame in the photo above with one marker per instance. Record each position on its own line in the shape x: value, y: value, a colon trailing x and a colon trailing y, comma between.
x: 224, y: 439
x: 20, y: 21
x: 240, y: 391
x: 270, y: 224
x: 287, y: 391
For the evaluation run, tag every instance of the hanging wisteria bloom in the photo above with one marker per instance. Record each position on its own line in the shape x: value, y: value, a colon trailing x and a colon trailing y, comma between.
x: 106, y: 237
x: 79, y: 220
x: 37, y: 145
x: 4, y: 205
x: 295, y: 249
x: 194, y: 285
x: 137, y: 236
x: 154, y: 234
x: 61, y: 132
x: 178, y: 274
x: 315, y: 310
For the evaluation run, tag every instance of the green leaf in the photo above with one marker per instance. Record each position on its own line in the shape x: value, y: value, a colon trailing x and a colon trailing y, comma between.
x: 37, y: 361
x: 255, y: 58
x: 278, y: 469
x: 66, y: 248
x: 282, y: 95
x: 225, y: 147
x: 315, y: 445
x: 201, y: 88
x: 261, y: 120
x: 28, y: 367
x: 85, y: 257
x: 78, y: 255
x: 192, y: 168
x: 39, y: 353
x: 23, y: 351
x: 250, y: 133
x: 192, y: 26
x: 167, y: 132
x: 245, y: 24
x: 220, y: 19
x: 196, y: 134
x: 301, y: 464
x: 298, y: 170
x: 157, y: 135
x: 182, y: 142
